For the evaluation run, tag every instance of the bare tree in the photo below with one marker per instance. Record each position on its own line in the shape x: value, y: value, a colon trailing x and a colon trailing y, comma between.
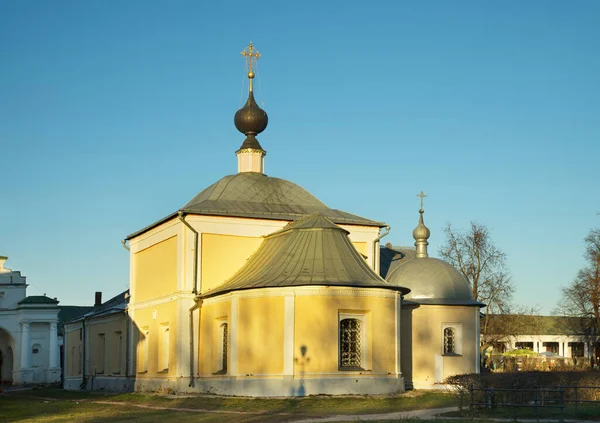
x: 582, y: 297
x: 517, y: 320
x: 483, y: 265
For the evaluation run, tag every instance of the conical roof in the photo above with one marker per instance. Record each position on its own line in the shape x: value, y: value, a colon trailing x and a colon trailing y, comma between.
x: 311, y: 251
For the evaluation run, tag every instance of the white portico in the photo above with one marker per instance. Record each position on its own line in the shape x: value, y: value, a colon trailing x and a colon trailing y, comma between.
x: 28, y: 332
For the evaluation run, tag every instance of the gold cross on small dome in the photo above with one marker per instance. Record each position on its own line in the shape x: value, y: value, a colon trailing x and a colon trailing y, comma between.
x: 421, y: 195
x: 250, y: 53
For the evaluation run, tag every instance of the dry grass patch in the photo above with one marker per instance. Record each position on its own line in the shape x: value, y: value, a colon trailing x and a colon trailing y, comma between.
x: 63, y: 406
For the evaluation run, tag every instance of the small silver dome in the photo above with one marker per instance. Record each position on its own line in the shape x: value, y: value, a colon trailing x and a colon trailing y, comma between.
x: 421, y: 232
x: 431, y: 279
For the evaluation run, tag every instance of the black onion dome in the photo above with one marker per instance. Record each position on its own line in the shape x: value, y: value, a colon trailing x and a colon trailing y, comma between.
x: 251, y: 119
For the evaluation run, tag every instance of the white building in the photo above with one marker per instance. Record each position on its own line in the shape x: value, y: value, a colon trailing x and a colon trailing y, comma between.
x: 568, y: 337
x: 29, y: 344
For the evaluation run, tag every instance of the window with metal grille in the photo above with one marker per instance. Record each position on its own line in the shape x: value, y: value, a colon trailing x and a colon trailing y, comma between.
x: 223, y: 357
x: 449, y: 341
x: 350, y: 344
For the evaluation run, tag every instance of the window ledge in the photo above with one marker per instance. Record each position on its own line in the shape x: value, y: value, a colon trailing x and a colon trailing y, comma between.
x: 452, y: 355
x: 352, y: 369
x: 163, y: 371
x: 143, y: 372
x: 220, y: 372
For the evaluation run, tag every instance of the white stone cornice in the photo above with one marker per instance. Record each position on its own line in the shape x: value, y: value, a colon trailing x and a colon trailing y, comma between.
x: 336, y: 291
x: 163, y: 300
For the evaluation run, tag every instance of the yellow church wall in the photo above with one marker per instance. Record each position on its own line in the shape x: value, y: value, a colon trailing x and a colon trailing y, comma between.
x: 211, y: 315
x: 427, y: 342
x: 106, y: 343
x: 467, y: 362
x: 362, y: 248
x: 155, y: 270
x: 222, y: 256
x: 74, y: 345
x: 260, y: 335
x: 316, y: 332
x: 156, y: 326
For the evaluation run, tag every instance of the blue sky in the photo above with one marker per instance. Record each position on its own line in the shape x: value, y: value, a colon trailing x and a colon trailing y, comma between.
x: 113, y: 114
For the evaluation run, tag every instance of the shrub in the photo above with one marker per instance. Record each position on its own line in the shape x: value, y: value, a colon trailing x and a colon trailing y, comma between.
x: 531, y: 380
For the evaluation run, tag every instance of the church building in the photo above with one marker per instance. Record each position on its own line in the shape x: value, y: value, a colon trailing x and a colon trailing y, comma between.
x: 29, y: 341
x: 257, y: 288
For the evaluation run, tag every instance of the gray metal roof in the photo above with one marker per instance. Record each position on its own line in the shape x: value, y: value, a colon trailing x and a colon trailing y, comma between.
x: 311, y: 251
x: 431, y: 280
x: 38, y: 299
x: 116, y: 304
x: 251, y: 194
x: 254, y: 195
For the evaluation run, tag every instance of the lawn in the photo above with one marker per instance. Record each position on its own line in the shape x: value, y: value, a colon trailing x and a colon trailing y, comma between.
x: 53, y: 405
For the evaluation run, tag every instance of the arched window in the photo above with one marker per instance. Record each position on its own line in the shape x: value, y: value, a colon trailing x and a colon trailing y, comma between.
x: 449, y: 340
x: 350, y: 344
x: 223, y: 351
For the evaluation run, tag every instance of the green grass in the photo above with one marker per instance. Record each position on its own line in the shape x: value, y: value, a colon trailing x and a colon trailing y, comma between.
x: 53, y: 405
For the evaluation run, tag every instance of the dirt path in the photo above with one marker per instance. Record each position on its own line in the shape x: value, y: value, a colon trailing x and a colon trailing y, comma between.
x: 427, y: 414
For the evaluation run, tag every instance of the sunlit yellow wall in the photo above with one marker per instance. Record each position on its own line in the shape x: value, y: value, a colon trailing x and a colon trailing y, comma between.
x: 467, y: 362
x: 166, y: 316
x: 361, y: 247
x: 316, y: 321
x: 73, y: 359
x: 427, y: 341
x: 111, y: 327
x: 260, y: 334
x: 208, y: 340
x: 156, y: 270
x: 222, y: 256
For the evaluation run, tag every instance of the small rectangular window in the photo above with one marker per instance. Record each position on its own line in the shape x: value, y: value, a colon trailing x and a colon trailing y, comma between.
x: 143, y: 352
x: 164, y: 350
x: 101, y: 354
x: 119, y: 344
x: 222, y: 345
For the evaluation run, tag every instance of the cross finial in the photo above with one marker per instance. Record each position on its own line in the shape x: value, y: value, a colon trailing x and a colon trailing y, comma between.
x: 251, y: 54
x: 421, y: 195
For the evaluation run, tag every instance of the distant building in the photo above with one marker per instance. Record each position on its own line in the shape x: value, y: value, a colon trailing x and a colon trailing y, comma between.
x: 95, y: 347
x: 565, y: 336
x: 29, y: 344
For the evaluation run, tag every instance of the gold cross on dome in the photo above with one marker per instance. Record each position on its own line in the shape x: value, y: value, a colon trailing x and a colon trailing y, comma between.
x: 250, y: 53
x: 421, y: 195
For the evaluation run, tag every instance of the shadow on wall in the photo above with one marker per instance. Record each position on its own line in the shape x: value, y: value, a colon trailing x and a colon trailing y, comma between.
x: 300, y: 363
x: 107, y: 350
x: 406, y: 343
